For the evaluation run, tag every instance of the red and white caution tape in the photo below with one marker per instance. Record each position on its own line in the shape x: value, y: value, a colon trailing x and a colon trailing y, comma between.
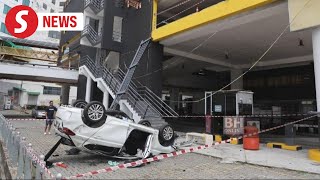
x: 33, y: 127
x: 203, y: 116
x: 244, y: 116
x: 36, y: 159
x: 21, y: 119
x: 177, y: 153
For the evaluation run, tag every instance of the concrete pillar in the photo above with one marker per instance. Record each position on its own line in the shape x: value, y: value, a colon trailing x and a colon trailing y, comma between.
x: 316, y: 60
x: 106, y: 99
x: 88, y: 89
x: 235, y: 73
x: 65, y: 93
x: 174, y: 98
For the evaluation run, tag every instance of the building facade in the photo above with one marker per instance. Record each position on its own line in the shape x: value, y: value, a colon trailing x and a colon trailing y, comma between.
x: 30, y: 94
x: 252, y: 45
x: 50, y: 6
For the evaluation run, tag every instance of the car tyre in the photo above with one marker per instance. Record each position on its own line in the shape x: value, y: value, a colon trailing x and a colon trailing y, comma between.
x: 94, y: 114
x: 166, y: 135
x: 79, y: 103
x: 145, y: 123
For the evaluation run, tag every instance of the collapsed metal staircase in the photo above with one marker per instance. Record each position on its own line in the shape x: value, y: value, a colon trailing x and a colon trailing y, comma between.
x: 140, y: 98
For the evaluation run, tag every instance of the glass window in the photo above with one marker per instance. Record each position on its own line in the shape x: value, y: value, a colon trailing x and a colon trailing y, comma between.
x: 4, y: 28
x: 26, y: 2
x: 52, y: 11
x: 6, y: 9
x: 44, y: 6
x: 53, y: 1
x: 117, y: 29
x: 52, y: 90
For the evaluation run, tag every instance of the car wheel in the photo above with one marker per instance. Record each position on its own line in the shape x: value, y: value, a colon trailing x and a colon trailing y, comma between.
x: 79, y: 104
x: 94, y: 114
x: 145, y: 123
x: 166, y: 135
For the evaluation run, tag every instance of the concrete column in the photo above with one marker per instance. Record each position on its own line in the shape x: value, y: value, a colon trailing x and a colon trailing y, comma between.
x: 174, y: 96
x: 106, y: 99
x: 316, y: 60
x: 88, y: 89
x: 65, y: 92
x: 235, y: 73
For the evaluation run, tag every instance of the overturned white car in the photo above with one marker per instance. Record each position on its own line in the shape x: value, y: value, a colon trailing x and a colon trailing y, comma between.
x: 111, y: 133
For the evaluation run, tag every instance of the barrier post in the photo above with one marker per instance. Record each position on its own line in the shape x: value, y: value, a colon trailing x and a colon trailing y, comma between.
x: 208, y: 120
x: 16, y: 147
x: 21, y: 158
x: 59, y: 176
x: 10, y: 143
x: 39, y: 169
x: 27, y: 163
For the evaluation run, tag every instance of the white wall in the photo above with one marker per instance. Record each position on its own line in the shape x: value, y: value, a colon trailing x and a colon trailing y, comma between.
x: 43, y: 99
x: 73, y: 94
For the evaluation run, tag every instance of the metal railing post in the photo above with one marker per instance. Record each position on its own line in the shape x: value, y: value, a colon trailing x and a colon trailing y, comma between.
x: 39, y: 169
x: 21, y: 157
x: 28, y: 162
x: 59, y: 176
x: 16, y: 146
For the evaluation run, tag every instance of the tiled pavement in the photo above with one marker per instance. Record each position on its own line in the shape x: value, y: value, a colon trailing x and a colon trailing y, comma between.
x: 189, y: 166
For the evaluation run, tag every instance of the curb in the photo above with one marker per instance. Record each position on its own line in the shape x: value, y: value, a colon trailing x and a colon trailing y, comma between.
x: 284, y: 146
x: 314, y: 154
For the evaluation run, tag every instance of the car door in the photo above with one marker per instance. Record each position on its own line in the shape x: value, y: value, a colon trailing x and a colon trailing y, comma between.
x: 113, y: 133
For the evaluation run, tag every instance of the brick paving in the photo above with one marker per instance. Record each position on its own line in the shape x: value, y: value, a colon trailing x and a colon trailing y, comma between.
x: 189, y: 166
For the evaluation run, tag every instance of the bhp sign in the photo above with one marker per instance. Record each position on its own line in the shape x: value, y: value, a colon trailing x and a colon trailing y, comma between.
x: 22, y: 21
x: 233, y: 125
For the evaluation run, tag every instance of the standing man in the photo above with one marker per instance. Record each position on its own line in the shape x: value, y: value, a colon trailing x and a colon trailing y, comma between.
x: 50, y: 115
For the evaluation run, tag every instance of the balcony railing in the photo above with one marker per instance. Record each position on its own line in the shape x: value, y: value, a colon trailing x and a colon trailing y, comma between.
x: 142, y: 99
x: 93, y: 36
x: 97, y: 5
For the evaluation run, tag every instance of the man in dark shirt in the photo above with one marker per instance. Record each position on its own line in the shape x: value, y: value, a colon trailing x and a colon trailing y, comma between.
x: 50, y: 115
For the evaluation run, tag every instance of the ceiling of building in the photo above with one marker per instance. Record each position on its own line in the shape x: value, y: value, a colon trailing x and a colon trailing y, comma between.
x: 243, y: 39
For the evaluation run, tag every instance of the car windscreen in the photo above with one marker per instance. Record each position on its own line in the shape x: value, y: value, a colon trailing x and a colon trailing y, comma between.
x: 41, y: 108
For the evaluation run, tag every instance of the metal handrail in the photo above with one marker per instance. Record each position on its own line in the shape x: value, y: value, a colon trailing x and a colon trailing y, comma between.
x: 98, y: 4
x: 114, y: 84
x: 168, y: 111
x: 133, y: 87
x: 132, y: 91
x: 156, y: 102
x: 163, y: 104
x: 94, y: 36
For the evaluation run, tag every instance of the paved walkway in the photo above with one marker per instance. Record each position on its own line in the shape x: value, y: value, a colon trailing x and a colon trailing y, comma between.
x: 189, y: 166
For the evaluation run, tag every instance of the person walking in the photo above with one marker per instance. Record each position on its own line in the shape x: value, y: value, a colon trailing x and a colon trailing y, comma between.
x: 50, y: 115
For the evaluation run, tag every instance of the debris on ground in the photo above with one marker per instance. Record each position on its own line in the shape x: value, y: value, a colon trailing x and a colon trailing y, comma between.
x: 113, y: 163
x: 73, y: 151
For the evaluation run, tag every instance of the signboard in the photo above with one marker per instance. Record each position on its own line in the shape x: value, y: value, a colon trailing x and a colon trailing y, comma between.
x: 217, y: 108
x: 233, y: 125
